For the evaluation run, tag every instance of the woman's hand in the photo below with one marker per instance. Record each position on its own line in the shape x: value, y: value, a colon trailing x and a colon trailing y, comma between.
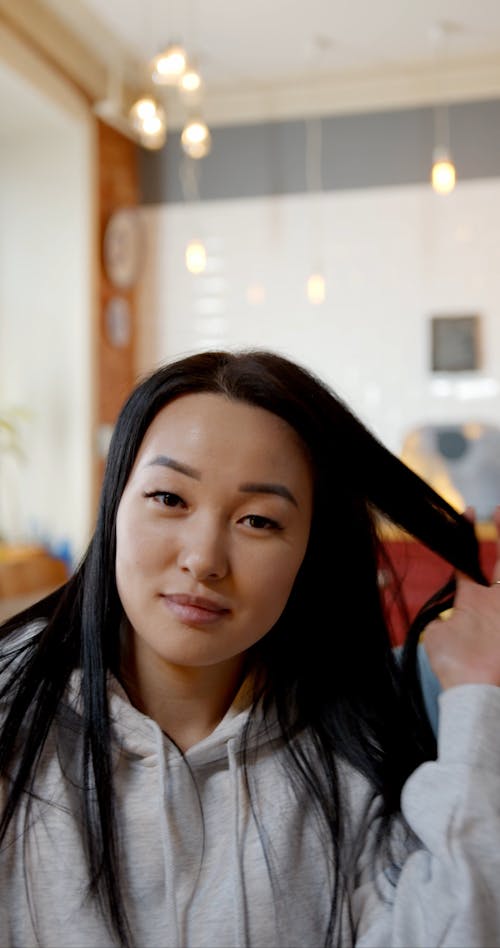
x: 465, y: 649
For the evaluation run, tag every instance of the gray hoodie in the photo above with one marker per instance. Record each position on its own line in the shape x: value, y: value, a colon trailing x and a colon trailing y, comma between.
x: 196, y: 852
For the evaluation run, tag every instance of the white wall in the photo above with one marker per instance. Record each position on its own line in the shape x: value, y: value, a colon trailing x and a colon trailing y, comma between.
x: 46, y: 315
x: 392, y: 257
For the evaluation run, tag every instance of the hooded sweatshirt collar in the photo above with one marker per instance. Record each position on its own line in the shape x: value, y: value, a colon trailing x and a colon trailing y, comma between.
x: 140, y: 736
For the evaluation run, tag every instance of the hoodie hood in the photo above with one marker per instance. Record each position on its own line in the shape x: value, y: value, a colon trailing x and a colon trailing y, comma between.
x: 138, y: 735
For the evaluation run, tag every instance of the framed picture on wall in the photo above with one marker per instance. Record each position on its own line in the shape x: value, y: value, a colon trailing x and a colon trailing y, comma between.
x: 455, y: 343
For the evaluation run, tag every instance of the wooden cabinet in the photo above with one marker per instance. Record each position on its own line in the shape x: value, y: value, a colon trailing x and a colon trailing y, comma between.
x: 27, y: 573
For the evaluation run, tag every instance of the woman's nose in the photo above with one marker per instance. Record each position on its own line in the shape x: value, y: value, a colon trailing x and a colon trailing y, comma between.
x: 204, y: 552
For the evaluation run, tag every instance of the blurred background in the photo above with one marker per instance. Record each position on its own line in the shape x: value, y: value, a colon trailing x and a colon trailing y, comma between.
x: 318, y: 178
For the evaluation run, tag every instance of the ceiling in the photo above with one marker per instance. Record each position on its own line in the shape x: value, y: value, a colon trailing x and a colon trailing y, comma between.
x: 263, y: 41
x: 277, y: 58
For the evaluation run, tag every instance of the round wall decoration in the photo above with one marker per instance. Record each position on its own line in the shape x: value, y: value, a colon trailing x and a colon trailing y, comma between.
x: 118, y: 322
x: 122, y: 247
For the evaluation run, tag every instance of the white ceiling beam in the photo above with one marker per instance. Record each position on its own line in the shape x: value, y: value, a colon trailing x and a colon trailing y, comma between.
x: 341, y: 93
x: 87, y: 66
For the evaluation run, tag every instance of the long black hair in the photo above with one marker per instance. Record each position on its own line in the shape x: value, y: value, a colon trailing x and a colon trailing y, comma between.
x: 357, y: 705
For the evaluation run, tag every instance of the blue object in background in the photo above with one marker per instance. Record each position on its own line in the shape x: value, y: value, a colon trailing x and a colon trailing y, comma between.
x: 431, y: 688
x: 429, y: 683
x: 62, y: 551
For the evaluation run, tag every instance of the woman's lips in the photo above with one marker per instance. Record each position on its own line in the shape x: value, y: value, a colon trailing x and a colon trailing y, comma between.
x: 194, y: 610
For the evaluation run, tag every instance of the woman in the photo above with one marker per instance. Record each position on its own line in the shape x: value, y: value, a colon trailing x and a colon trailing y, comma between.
x: 205, y: 736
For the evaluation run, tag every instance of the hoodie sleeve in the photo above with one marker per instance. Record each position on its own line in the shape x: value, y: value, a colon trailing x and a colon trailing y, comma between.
x: 448, y: 891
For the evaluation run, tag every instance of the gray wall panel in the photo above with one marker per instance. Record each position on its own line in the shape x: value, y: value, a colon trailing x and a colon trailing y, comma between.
x: 373, y: 150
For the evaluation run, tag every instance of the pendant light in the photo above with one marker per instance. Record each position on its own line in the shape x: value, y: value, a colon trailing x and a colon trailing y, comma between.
x: 443, y: 172
x: 195, y: 253
x: 196, y: 256
x: 196, y: 139
x: 191, y: 88
x: 190, y: 82
x: 168, y: 66
x: 148, y: 120
x: 316, y: 290
x: 316, y: 284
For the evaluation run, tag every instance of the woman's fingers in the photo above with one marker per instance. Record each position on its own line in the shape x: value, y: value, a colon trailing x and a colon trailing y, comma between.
x: 470, y: 514
x: 465, y: 649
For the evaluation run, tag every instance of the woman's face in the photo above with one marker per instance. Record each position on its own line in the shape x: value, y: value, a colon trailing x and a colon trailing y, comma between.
x: 211, y: 529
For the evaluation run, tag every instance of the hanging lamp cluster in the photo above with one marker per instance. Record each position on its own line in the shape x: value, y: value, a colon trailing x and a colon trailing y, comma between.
x: 172, y: 69
x: 149, y: 121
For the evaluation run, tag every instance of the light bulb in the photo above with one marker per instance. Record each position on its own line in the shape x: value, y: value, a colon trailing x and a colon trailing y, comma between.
x: 152, y: 125
x: 190, y: 81
x: 141, y: 110
x: 195, y: 139
x: 168, y: 67
x: 149, y: 121
x: 316, y: 291
x: 443, y: 173
x: 154, y: 133
x: 196, y: 256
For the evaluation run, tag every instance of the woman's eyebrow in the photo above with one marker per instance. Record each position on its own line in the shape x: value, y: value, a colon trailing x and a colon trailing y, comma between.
x: 163, y: 461
x: 248, y: 488
x: 278, y: 489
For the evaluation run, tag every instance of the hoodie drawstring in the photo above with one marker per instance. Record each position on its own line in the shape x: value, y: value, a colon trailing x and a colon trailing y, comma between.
x: 170, y: 903
x: 240, y: 908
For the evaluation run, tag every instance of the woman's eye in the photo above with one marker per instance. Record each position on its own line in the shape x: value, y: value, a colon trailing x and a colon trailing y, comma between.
x: 261, y: 523
x: 166, y: 498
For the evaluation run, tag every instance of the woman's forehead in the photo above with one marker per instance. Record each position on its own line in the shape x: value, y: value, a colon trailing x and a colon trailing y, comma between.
x: 205, y: 427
